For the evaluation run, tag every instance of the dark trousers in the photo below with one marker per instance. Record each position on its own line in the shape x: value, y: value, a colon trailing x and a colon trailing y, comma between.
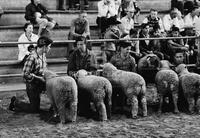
x: 33, y: 92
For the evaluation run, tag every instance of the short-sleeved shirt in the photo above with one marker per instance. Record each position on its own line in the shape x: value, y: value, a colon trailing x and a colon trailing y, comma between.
x: 81, y: 26
x: 126, y: 64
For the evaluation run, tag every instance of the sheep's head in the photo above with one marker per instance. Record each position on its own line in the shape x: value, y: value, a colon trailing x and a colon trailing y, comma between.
x: 48, y: 74
x: 152, y: 60
x: 181, y: 69
x: 81, y: 74
x: 108, y: 69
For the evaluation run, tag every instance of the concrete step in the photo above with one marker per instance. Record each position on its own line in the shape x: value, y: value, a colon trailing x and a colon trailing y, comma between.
x: 12, y: 33
x: 53, y: 4
x: 64, y: 18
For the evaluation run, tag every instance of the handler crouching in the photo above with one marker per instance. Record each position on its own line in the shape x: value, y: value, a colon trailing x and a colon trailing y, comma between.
x: 33, y: 76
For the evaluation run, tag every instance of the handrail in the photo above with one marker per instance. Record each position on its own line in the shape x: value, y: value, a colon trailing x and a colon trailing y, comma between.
x: 103, y: 40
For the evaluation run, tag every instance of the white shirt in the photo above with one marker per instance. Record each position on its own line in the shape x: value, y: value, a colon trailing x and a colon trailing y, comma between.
x: 189, y: 20
x: 159, y: 22
x: 106, y: 10
x: 126, y: 24
x: 197, y: 26
x: 168, y: 22
x: 23, y: 48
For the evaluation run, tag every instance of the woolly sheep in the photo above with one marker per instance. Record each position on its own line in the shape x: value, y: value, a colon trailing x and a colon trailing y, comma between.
x: 190, y: 86
x: 95, y: 89
x: 167, y: 83
x: 62, y: 92
x: 132, y: 84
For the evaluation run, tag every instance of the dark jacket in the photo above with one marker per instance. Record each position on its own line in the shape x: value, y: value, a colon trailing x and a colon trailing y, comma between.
x: 31, y: 9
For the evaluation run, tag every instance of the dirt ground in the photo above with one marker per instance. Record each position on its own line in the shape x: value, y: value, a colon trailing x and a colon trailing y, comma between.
x: 168, y: 125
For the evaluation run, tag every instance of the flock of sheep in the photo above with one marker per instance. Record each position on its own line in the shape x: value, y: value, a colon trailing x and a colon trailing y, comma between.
x: 69, y: 96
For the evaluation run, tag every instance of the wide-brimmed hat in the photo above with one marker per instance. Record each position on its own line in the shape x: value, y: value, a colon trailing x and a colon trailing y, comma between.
x: 113, y: 21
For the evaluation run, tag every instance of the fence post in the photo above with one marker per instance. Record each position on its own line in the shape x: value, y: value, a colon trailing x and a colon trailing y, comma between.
x: 198, y: 48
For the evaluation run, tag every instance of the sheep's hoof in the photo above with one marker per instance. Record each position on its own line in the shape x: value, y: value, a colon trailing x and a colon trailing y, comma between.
x: 176, y: 112
x: 134, y: 117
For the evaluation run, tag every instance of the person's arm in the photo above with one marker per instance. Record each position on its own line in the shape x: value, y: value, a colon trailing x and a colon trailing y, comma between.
x: 27, y: 70
x: 87, y: 29
x: 22, y: 48
x: 43, y: 8
x: 133, y: 64
x: 175, y: 46
x: 93, y: 63
x: 71, y: 64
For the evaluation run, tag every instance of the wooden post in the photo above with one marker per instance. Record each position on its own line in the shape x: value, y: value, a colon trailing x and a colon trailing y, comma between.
x: 198, y: 55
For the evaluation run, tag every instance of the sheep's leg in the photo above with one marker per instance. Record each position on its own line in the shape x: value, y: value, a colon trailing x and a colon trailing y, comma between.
x: 134, y: 106
x: 175, y: 100
x: 160, y: 105
x: 144, y: 105
x: 108, y: 103
x: 62, y: 112
x: 101, y: 110
x: 73, y: 111
x: 191, y: 103
x: 198, y: 104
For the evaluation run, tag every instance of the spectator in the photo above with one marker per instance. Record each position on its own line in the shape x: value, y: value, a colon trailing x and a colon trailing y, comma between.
x: 170, y: 19
x: 127, y: 23
x: 81, y: 58
x: 176, y: 44
x: 137, y: 11
x: 135, y: 50
x: 123, y: 60
x: 106, y: 9
x: 179, y: 4
x: 180, y: 22
x: 32, y: 74
x: 108, y: 50
x: 80, y: 29
x: 191, y: 17
x: 36, y: 13
x: 27, y: 36
x: 153, y: 20
x: 118, y: 7
x: 178, y: 57
x: 73, y: 4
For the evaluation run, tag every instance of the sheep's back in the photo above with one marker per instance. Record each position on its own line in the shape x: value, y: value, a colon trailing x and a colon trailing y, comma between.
x: 189, y: 82
x: 166, y: 80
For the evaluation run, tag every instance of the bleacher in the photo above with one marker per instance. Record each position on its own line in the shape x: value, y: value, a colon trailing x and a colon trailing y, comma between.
x: 11, y: 26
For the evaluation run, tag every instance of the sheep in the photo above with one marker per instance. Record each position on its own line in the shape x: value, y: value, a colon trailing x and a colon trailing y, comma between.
x: 132, y: 85
x: 148, y: 66
x: 167, y: 83
x: 62, y: 92
x: 97, y: 90
x: 190, y: 86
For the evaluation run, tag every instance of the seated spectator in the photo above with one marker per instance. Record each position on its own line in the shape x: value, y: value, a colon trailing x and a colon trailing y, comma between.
x: 170, y: 20
x: 123, y: 60
x: 80, y: 29
x: 135, y: 50
x: 81, y: 58
x: 36, y: 13
x: 113, y: 32
x: 153, y: 20
x: 108, y: 50
x: 27, y: 36
x: 127, y: 23
x: 106, y: 9
x: 176, y: 44
x: 191, y: 17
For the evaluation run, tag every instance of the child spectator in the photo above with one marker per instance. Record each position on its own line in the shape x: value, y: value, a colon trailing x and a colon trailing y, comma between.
x: 36, y: 13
